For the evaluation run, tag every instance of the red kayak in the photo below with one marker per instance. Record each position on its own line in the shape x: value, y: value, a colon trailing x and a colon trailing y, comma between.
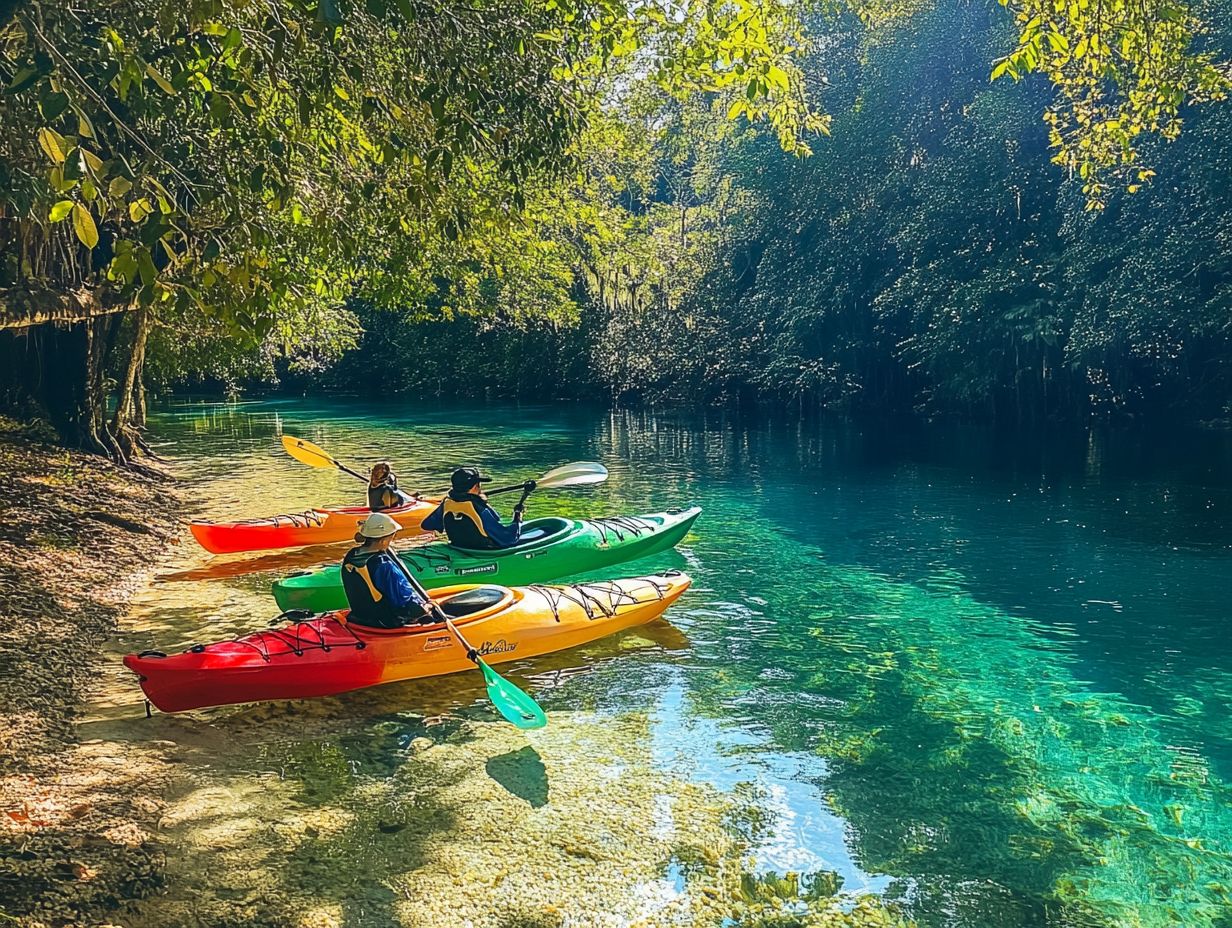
x: 295, y: 530
x: 324, y: 655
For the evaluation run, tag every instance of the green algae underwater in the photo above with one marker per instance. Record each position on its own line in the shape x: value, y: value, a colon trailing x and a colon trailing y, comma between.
x: 925, y: 677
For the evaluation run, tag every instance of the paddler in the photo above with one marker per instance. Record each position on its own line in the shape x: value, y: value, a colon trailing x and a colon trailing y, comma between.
x: 383, y: 492
x: 380, y: 593
x: 466, y: 516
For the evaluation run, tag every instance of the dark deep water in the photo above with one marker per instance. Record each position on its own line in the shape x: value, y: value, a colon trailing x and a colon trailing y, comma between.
x: 990, y: 677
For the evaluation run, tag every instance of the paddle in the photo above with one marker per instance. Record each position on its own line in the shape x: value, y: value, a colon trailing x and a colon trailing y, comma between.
x: 514, y: 705
x: 576, y: 474
x: 306, y: 452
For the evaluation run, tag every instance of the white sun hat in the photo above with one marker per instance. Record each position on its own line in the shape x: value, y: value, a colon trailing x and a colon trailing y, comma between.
x: 378, y: 525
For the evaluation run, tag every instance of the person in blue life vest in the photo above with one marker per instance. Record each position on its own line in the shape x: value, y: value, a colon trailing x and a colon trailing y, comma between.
x: 383, y: 492
x: 469, y: 520
x: 380, y: 592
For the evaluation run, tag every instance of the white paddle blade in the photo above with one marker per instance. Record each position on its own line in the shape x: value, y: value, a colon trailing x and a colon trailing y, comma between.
x: 577, y: 474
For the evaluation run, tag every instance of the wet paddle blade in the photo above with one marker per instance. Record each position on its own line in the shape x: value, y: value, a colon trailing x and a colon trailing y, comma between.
x: 306, y: 452
x: 577, y: 474
x: 517, y: 708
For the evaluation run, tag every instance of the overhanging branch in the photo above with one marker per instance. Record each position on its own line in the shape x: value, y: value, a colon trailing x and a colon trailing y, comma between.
x: 20, y: 309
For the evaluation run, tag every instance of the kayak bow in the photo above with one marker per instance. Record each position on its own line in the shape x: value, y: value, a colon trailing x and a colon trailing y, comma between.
x: 294, y: 530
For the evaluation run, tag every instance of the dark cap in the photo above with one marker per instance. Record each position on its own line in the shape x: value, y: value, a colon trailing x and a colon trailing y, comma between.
x: 466, y: 477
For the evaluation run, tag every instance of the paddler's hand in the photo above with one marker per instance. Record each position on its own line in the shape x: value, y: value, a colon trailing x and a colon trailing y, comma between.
x: 518, y: 511
x: 529, y: 486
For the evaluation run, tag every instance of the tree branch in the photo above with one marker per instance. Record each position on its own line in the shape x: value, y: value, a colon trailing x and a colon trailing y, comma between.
x: 20, y: 309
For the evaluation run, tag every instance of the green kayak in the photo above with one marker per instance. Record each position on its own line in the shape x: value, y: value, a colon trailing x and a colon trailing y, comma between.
x: 550, y: 548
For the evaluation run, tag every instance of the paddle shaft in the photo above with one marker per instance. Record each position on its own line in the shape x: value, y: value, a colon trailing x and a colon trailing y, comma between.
x: 508, y: 489
x: 343, y: 467
x: 435, y: 609
x: 516, y: 707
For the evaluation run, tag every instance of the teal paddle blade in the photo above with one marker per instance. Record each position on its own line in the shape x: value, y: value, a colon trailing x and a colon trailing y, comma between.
x: 517, y: 708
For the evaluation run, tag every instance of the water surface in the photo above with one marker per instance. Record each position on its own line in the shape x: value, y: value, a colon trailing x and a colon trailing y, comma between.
x: 986, y: 679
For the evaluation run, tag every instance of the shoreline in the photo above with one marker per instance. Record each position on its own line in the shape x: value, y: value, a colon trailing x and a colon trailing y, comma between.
x: 81, y: 537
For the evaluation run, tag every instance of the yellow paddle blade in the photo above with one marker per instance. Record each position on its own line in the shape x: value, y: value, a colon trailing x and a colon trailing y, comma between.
x: 306, y: 452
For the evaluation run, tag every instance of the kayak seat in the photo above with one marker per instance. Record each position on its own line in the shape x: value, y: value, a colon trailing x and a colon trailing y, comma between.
x: 533, y: 532
x: 472, y: 601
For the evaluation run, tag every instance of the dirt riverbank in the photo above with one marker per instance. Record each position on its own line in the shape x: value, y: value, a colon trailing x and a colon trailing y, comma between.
x: 78, y: 537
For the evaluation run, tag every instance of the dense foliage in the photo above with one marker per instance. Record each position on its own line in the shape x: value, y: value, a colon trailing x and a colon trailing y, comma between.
x: 454, y: 192
x: 236, y: 171
x: 927, y: 259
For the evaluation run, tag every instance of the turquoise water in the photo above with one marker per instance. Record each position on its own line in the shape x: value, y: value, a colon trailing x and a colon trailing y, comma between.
x: 986, y: 679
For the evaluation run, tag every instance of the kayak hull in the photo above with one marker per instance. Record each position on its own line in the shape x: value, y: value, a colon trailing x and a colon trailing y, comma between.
x: 577, y: 546
x: 324, y: 656
x: 299, y: 529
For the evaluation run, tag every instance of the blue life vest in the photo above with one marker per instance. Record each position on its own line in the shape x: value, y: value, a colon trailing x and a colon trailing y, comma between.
x: 369, y: 605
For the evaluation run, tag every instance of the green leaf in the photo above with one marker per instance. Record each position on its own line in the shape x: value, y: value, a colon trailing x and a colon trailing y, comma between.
x: 60, y: 211
x: 74, y: 164
x: 777, y: 77
x: 94, y: 161
x: 52, y: 144
x: 85, y: 127
x: 119, y: 187
x: 123, y: 267
x: 83, y: 225
x: 23, y: 79
x: 53, y: 104
x: 156, y: 76
x: 139, y: 209
x: 145, y: 265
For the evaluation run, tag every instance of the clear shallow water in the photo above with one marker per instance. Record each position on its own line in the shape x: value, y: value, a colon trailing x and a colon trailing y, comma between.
x: 989, y: 680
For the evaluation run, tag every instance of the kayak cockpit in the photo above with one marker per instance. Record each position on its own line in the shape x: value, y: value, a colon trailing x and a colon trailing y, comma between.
x: 535, y: 533
x: 467, y: 604
x: 463, y: 604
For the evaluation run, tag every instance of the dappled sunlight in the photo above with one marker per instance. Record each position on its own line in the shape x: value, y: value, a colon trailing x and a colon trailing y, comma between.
x: 474, y: 825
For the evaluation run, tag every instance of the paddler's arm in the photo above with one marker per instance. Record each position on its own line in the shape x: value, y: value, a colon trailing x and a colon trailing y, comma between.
x: 505, y: 536
x: 402, y: 590
x: 435, y: 522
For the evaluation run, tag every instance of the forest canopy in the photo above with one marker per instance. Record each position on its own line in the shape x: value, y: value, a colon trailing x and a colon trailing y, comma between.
x: 816, y: 193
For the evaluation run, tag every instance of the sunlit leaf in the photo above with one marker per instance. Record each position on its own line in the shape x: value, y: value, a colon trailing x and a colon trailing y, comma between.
x: 83, y: 225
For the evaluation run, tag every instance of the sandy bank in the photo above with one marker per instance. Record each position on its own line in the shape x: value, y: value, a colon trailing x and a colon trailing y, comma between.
x: 78, y: 537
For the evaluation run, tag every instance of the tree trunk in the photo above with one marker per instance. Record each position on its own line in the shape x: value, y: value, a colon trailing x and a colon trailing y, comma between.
x: 139, y: 413
x: 131, y: 397
x: 63, y: 369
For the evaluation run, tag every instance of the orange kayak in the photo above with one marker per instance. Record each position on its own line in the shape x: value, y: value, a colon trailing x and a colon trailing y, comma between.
x: 325, y: 655
x: 295, y: 530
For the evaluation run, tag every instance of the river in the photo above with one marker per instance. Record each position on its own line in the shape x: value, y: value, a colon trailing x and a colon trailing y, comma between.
x: 986, y: 680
